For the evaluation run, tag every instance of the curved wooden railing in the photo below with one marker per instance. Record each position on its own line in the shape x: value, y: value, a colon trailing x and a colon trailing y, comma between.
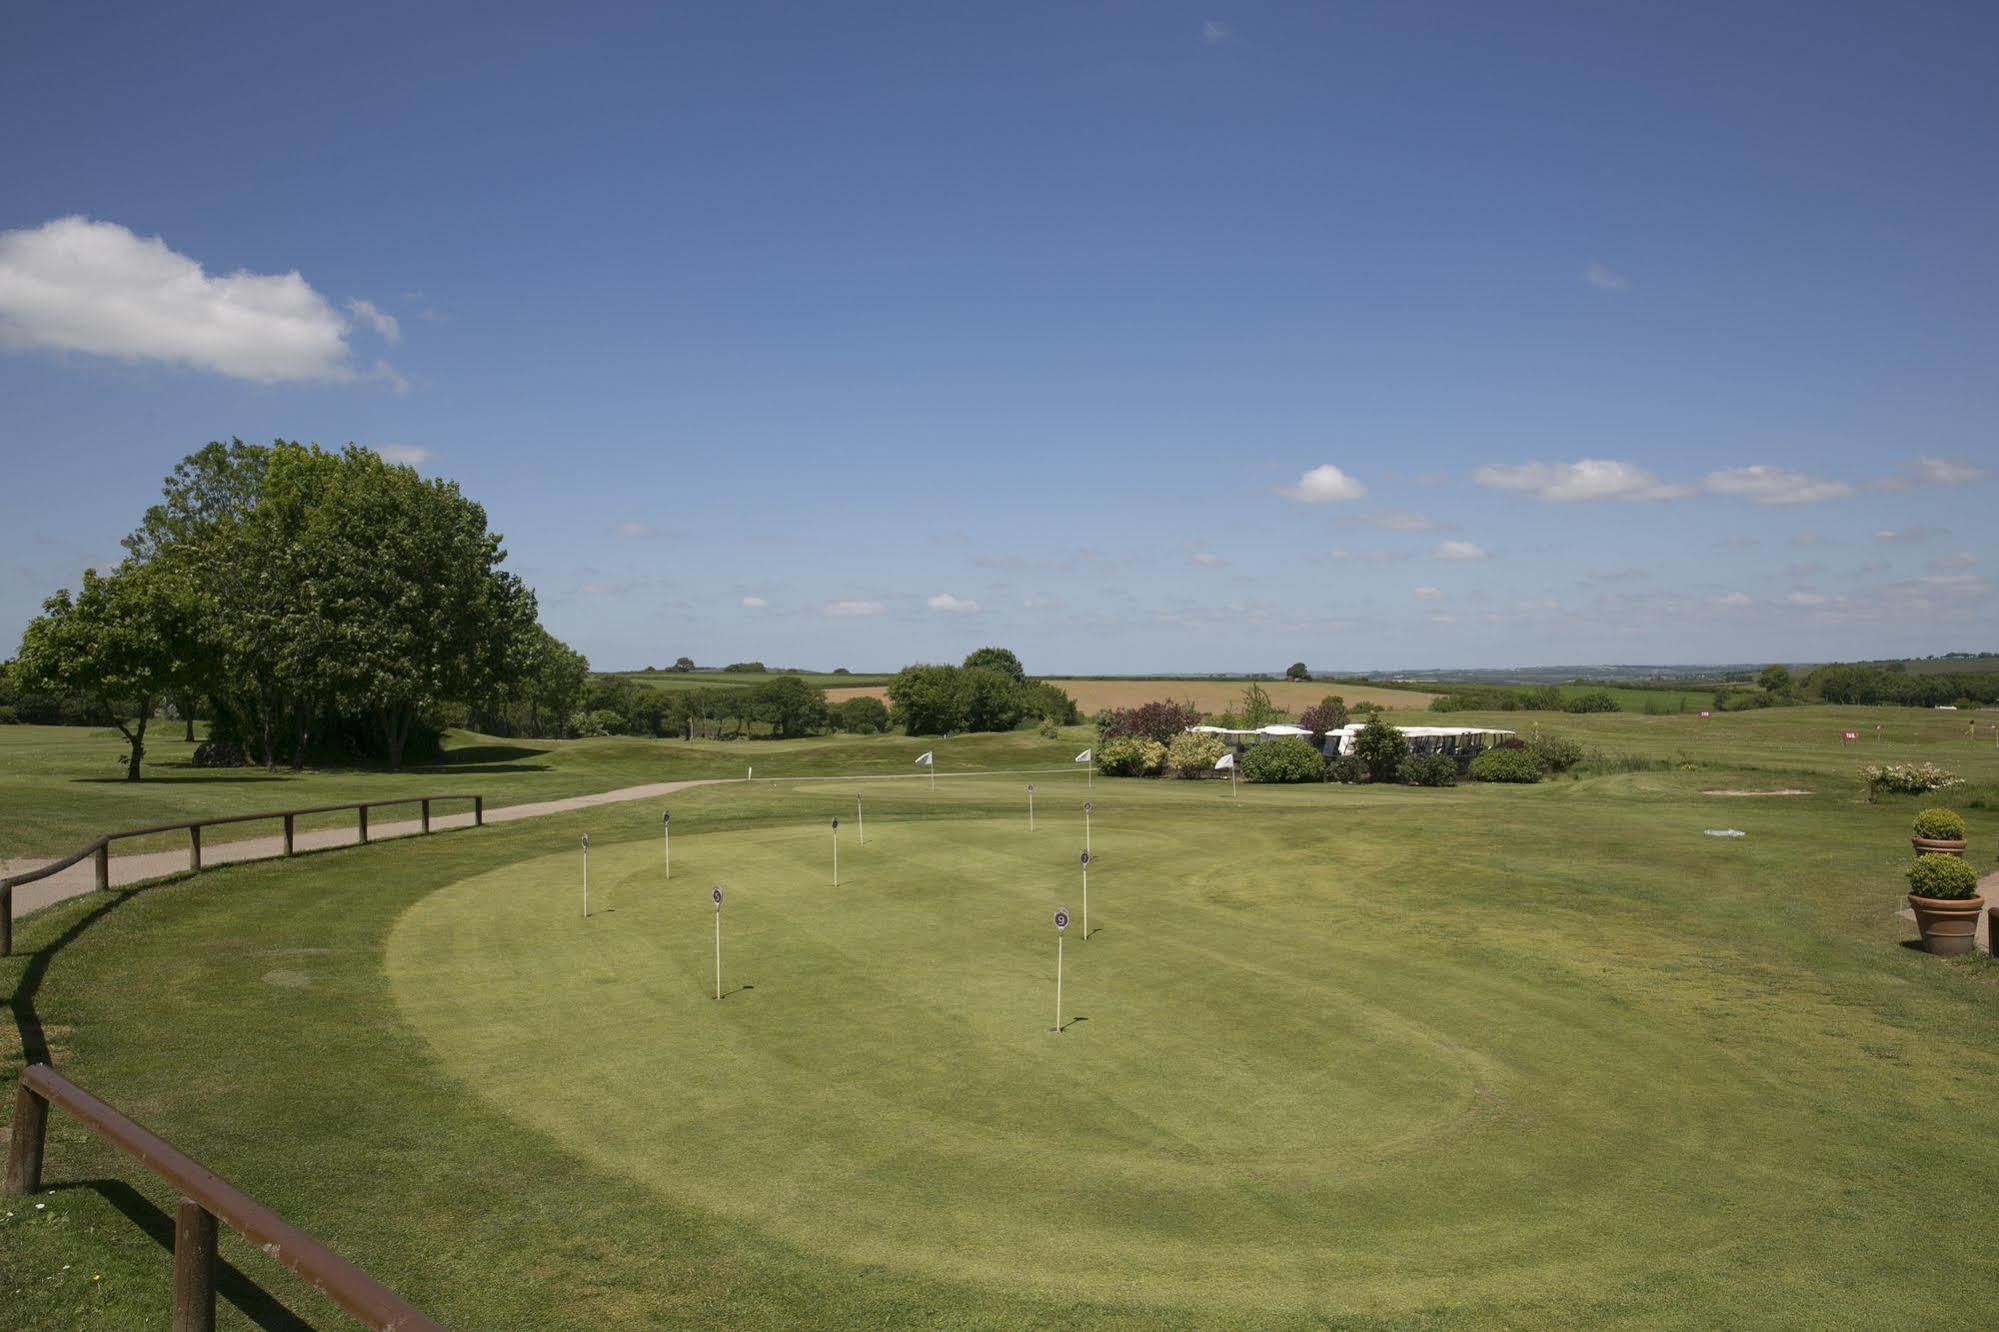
x: 101, y: 847
x: 205, y: 1198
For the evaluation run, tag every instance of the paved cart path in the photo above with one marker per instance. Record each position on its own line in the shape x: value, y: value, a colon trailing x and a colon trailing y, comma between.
x: 80, y: 878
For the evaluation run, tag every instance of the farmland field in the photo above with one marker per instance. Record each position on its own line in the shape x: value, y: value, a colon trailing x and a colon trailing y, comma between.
x: 1560, y: 1059
x: 1208, y: 695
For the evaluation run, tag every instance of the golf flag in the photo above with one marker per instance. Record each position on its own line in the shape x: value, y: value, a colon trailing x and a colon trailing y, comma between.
x: 1083, y: 757
x: 1224, y: 763
x: 925, y: 758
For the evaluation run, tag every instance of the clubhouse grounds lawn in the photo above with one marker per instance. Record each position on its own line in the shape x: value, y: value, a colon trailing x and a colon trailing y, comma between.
x: 1348, y: 1056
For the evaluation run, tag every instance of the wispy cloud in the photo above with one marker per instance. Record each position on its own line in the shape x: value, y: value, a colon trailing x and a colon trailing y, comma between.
x: 1603, y: 279
x: 852, y: 609
x: 1764, y: 484
x: 1324, y: 484
x: 1928, y: 471
x: 383, y: 323
x: 1368, y: 556
x: 1889, y: 536
x: 1429, y: 594
x: 408, y: 455
x: 1214, y: 33
x: 1458, y: 550
x: 951, y: 605
x: 636, y: 530
x: 1734, y: 599
x: 80, y: 285
x: 1393, y: 520
x: 1963, y: 559
x: 1584, y: 479
x: 1207, y: 559
x: 754, y: 603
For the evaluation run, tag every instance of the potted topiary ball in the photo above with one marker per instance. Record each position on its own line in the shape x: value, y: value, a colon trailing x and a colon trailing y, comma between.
x: 1940, y: 830
x: 1943, y: 892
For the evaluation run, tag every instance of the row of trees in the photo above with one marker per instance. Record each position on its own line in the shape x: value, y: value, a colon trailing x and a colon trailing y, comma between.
x: 298, y: 598
x: 989, y: 691
x: 1872, y: 684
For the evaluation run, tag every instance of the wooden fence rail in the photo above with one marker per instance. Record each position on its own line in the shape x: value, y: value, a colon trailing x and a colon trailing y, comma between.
x: 205, y: 1198
x: 101, y: 847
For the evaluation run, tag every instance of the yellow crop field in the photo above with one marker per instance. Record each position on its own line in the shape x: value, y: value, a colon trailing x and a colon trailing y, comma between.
x: 1208, y: 695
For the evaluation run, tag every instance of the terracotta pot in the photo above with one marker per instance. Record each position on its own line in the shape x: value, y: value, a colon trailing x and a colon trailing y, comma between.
x: 1936, y: 845
x: 1949, y: 926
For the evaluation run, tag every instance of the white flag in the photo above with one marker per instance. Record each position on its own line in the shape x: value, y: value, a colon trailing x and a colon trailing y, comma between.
x: 1225, y: 762
x: 1083, y: 757
x: 924, y: 758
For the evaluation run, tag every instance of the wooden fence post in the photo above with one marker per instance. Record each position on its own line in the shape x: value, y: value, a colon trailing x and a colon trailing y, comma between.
x: 478, y: 811
x: 426, y: 816
x: 364, y: 825
x: 289, y: 847
x: 194, y: 846
x: 104, y: 868
x: 24, y: 1149
x: 194, y: 1268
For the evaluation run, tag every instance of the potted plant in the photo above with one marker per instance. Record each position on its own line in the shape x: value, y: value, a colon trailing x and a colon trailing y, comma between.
x: 1938, y: 830
x: 1943, y: 892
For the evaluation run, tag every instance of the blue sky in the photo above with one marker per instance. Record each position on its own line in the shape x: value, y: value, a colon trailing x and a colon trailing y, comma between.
x: 855, y: 335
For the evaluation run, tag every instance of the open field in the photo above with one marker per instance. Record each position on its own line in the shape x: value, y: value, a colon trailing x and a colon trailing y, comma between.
x: 1557, y: 1060
x: 60, y: 786
x: 1207, y: 695
x: 741, y: 679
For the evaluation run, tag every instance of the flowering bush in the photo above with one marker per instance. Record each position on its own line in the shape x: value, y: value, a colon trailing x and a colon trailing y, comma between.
x: 1193, y: 753
x: 1906, y: 778
x: 1130, y: 756
x: 1160, y: 720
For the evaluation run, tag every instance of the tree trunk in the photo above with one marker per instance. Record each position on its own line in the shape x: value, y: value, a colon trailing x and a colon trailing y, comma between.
x: 265, y: 722
x: 298, y: 751
x: 135, y: 736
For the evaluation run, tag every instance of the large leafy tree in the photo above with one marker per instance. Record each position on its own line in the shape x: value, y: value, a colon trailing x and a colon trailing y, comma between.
x: 118, y: 642
x: 997, y: 659
x: 925, y: 700
x: 790, y: 706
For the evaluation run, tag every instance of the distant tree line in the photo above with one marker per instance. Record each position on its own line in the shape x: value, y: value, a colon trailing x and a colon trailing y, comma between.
x: 1840, y: 683
x: 988, y: 691
x: 304, y: 601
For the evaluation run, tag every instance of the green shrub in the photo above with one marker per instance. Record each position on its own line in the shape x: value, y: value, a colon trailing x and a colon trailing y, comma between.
x: 1596, y: 700
x: 1346, y: 770
x: 1950, y: 878
x: 9, y: 716
x: 1556, y: 753
x: 1381, y: 748
x: 1428, y: 770
x: 1940, y: 825
x: 1287, y: 760
x: 1194, y: 753
x: 1130, y: 756
x: 1506, y: 765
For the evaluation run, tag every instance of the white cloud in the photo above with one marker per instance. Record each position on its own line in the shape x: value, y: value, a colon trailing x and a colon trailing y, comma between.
x: 1322, y: 484
x: 1584, y: 479
x: 1806, y: 597
x: 1603, y: 279
x: 1928, y: 471
x: 848, y: 609
x: 1892, y: 537
x: 1214, y: 33
x: 1764, y: 484
x: 409, y: 455
x: 1458, y: 550
x: 1735, y: 599
x: 1205, y: 558
x: 1429, y: 594
x: 951, y: 605
x: 383, y: 323
x: 1394, y: 520
x: 83, y: 286
x: 754, y: 603
x: 1964, y: 559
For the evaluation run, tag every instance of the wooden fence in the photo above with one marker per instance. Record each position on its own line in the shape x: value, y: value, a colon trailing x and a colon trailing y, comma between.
x: 205, y: 1198
x: 101, y: 848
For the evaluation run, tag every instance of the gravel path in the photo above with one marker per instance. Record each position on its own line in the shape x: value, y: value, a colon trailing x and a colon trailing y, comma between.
x: 80, y: 878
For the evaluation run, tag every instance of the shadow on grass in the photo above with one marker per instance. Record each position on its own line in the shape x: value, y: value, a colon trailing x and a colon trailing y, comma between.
x: 255, y: 1303
x: 255, y: 778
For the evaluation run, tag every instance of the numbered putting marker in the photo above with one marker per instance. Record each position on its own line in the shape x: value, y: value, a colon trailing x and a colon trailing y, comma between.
x: 1061, y: 920
x: 836, y: 825
x: 1086, y: 857
x: 1086, y: 806
x: 717, y: 896
x: 1030, y: 788
x: 586, y: 841
x: 665, y: 817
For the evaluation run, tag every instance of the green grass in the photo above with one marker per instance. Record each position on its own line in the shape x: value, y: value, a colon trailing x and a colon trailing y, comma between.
x: 60, y: 786
x: 1352, y: 1057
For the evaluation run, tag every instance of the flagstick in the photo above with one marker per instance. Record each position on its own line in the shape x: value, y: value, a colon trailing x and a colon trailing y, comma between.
x: 1086, y: 827
x: 586, y: 876
x: 1058, y: 982
x: 718, y: 952
x: 1086, y: 901
x: 860, y: 818
x: 666, y: 841
x: 1030, y: 807
x: 836, y: 854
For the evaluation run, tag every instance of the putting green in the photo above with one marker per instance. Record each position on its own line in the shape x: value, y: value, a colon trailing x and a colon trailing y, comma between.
x: 1289, y: 1082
